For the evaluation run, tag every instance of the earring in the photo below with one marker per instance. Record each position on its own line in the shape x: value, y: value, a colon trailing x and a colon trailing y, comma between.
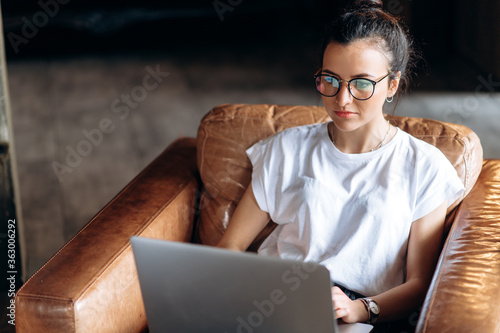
x: 389, y: 100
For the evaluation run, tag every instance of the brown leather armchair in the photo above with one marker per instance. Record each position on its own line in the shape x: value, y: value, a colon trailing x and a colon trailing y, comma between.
x: 189, y: 193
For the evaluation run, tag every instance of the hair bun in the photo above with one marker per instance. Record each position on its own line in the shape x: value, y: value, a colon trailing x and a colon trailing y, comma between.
x: 375, y: 4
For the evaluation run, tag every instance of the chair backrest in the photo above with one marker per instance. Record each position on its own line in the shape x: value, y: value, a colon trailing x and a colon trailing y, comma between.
x: 228, y: 130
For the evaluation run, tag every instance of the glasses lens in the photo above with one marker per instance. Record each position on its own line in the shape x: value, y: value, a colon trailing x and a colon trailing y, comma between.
x: 327, y: 85
x: 362, y: 88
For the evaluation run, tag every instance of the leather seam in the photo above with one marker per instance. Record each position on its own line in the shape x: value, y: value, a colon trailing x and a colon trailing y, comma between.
x: 439, y: 270
x: 45, y: 297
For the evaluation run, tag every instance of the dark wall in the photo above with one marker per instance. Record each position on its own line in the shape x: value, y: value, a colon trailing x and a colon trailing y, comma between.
x: 454, y: 35
x: 468, y: 31
x: 477, y: 33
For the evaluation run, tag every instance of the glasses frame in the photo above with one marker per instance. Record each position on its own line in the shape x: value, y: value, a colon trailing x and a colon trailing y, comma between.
x: 374, y: 83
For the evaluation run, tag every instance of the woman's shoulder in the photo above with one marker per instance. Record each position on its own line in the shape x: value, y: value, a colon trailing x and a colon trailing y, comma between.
x: 418, y: 144
x: 290, y: 140
x: 302, y: 130
x: 301, y: 133
x: 421, y: 149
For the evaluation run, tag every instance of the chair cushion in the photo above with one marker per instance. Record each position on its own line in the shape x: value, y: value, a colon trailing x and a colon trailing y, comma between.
x: 228, y: 130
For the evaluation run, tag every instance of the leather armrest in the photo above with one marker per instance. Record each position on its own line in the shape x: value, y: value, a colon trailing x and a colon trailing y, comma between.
x: 91, y: 284
x: 465, y: 292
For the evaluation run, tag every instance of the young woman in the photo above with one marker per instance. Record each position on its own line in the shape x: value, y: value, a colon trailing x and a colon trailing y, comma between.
x: 357, y: 195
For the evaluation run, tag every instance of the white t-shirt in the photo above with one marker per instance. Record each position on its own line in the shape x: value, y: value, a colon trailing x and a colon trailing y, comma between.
x: 349, y: 212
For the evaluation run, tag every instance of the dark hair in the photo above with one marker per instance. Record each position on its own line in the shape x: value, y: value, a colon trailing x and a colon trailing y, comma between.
x: 365, y: 19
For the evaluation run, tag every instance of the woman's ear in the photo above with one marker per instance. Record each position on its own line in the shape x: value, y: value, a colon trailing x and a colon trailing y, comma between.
x: 393, y: 85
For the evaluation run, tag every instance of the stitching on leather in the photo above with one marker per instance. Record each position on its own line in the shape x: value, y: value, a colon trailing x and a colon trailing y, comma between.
x: 203, y: 144
x: 465, y: 156
x: 45, y: 297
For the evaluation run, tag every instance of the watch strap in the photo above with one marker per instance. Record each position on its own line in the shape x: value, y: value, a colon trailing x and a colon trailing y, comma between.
x: 372, y: 316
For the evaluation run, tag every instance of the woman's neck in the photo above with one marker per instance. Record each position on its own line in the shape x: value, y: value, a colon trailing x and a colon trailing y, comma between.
x: 364, y: 139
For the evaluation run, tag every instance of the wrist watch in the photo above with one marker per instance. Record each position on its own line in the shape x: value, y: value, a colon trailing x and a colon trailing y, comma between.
x: 372, y: 308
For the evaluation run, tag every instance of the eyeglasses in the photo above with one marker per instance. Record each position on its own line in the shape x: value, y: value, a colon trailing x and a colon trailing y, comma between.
x: 360, y: 89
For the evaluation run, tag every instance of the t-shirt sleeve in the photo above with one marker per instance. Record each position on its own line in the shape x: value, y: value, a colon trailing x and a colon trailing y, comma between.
x: 259, y: 157
x: 437, y: 182
x: 277, y: 164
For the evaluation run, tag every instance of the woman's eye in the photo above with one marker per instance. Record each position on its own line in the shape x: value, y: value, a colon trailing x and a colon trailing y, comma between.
x: 363, y: 85
x: 332, y: 81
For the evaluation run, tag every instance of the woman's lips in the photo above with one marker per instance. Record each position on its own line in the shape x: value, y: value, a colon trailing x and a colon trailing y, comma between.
x: 344, y: 114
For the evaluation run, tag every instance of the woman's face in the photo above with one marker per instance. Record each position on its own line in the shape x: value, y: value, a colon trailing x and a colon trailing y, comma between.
x: 359, y: 59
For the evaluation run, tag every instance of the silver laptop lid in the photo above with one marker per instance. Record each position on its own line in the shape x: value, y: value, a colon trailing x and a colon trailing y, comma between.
x: 194, y: 288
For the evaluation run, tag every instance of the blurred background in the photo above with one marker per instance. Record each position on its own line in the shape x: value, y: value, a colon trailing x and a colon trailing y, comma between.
x: 99, y: 88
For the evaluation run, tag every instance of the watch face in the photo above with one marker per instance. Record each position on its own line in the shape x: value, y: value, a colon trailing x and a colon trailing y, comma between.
x: 374, y: 308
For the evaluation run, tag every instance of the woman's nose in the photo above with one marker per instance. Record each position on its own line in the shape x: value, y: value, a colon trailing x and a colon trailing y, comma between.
x: 344, y: 97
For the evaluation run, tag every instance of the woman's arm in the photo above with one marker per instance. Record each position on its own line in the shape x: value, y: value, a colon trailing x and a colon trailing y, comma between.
x: 424, y: 247
x: 246, y: 223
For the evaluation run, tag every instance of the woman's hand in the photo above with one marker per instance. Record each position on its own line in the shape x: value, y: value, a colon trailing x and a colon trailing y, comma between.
x: 346, y: 309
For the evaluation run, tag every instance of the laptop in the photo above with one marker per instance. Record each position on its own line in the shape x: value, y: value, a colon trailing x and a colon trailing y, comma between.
x: 194, y: 288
